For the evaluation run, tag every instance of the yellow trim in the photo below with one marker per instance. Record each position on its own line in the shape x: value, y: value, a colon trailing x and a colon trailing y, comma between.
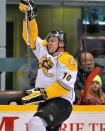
x: 18, y: 107
x: 68, y: 60
x: 88, y: 108
x: 34, y: 108
x: 56, y: 89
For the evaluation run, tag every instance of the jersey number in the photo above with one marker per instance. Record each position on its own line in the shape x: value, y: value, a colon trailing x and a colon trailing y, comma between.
x: 67, y: 76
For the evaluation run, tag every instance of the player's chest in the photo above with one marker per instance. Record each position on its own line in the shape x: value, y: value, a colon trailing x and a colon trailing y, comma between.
x: 48, y: 65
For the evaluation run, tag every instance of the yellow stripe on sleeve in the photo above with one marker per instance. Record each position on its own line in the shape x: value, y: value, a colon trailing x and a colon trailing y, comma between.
x: 56, y: 90
x: 33, y: 32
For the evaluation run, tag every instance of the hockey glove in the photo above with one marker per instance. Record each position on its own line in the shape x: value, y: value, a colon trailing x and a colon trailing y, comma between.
x: 28, y: 5
x: 35, y: 97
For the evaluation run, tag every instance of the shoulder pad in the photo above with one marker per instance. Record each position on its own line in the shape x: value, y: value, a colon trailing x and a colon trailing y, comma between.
x: 68, y: 60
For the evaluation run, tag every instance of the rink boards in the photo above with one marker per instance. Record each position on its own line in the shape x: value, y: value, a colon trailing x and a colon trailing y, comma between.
x: 83, y: 118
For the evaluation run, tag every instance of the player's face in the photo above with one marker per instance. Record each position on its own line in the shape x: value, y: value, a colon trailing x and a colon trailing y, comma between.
x: 53, y: 44
x: 87, y: 62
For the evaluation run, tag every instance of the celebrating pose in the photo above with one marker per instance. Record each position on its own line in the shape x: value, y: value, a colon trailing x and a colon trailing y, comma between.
x: 54, y: 88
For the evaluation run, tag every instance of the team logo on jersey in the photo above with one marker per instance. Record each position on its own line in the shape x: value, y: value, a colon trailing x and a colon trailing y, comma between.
x: 72, y: 61
x: 45, y: 65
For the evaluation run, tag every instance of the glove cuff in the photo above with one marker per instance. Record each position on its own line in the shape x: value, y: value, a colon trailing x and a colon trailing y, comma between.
x: 31, y: 15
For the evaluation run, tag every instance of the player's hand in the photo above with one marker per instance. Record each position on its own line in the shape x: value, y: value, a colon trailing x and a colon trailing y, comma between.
x: 28, y: 6
x: 35, y: 97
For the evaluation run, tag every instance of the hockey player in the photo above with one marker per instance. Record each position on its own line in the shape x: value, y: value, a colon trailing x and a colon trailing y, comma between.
x: 54, y: 89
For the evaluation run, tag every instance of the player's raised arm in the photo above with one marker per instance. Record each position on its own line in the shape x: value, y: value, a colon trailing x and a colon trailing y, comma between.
x: 30, y: 30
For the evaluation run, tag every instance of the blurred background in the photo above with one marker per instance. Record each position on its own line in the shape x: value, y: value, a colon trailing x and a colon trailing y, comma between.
x: 78, y: 18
